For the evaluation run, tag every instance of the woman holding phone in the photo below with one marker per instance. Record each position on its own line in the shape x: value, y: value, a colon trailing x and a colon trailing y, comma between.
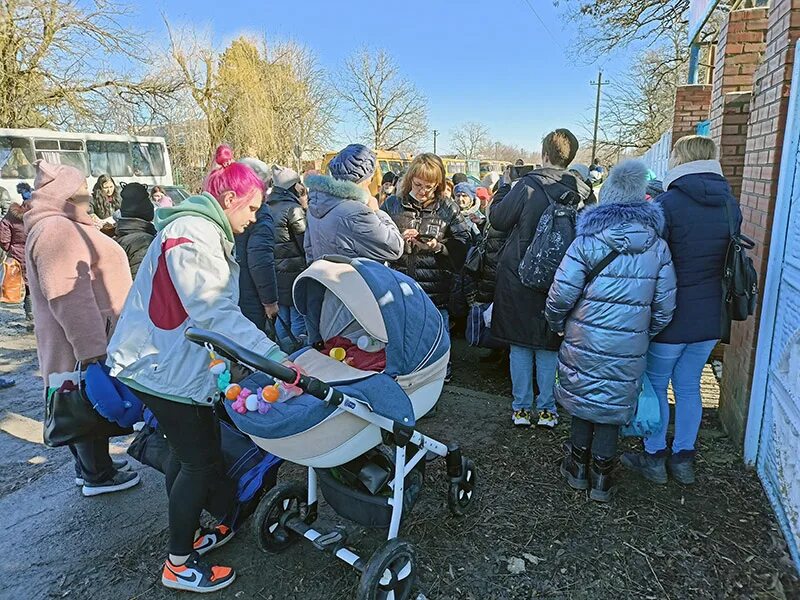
x: 436, y: 235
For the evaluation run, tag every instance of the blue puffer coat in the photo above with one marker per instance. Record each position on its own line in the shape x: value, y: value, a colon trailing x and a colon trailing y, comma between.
x: 698, y: 234
x: 608, y: 326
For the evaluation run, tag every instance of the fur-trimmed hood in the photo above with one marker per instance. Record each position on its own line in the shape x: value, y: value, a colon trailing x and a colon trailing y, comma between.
x: 627, y: 228
x: 16, y: 212
x: 325, y: 192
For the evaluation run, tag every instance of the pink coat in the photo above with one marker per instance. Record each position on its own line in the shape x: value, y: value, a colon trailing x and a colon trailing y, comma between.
x: 78, y: 279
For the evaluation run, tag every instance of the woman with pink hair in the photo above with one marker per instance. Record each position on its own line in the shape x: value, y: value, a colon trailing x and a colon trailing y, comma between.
x: 190, y: 277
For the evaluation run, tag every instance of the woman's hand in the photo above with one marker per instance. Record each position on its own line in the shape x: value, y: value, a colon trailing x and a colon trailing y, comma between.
x: 271, y: 310
x: 410, y: 235
x: 429, y: 246
x: 89, y: 361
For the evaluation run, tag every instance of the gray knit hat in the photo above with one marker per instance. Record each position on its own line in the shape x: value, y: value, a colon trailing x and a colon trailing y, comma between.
x: 626, y: 184
x: 355, y: 163
x: 284, y: 177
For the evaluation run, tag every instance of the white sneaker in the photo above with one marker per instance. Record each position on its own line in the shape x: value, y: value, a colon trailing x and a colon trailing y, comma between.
x: 122, y: 480
x: 547, y: 419
x: 521, y: 418
x: 120, y: 464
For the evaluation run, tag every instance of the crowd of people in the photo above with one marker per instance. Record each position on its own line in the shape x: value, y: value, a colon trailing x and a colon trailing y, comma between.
x: 115, y: 276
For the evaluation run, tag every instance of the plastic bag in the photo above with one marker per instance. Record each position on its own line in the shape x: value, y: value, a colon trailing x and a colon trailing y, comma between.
x: 647, y: 418
x: 13, y: 287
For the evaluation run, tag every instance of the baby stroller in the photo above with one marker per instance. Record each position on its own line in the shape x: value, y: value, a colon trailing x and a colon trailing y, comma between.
x: 346, y: 412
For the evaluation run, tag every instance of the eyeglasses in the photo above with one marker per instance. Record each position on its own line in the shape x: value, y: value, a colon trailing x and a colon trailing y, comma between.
x: 421, y: 186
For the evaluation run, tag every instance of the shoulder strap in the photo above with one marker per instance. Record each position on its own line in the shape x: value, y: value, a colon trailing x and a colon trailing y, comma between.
x: 607, y: 259
x: 731, y: 224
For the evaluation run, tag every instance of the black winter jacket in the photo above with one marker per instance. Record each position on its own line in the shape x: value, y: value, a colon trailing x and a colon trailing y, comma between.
x: 135, y: 236
x: 290, y: 228
x: 255, y: 253
x: 518, y: 314
x: 432, y: 271
x: 494, y: 242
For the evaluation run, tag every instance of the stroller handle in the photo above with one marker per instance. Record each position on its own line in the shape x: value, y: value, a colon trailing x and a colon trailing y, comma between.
x: 233, y: 351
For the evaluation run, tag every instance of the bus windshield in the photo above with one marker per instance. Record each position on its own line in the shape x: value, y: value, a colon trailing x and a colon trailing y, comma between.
x: 16, y: 157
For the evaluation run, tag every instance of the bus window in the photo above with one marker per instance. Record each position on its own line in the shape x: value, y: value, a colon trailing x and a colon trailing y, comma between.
x: 109, y: 158
x: 396, y: 167
x: 384, y: 166
x: 16, y: 157
x: 148, y: 159
x: 67, y: 152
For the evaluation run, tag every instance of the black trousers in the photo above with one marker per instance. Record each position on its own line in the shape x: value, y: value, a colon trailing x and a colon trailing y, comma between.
x: 92, y: 460
x: 600, y: 437
x: 195, y: 474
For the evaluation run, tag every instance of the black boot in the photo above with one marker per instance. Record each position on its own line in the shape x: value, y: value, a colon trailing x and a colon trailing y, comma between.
x: 602, y: 482
x: 681, y: 466
x: 650, y: 466
x: 575, y: 467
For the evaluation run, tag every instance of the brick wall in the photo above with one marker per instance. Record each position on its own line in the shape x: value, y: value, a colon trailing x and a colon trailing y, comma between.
x: 692, y: 105
x: 740, y: 47
x: 768, y: 111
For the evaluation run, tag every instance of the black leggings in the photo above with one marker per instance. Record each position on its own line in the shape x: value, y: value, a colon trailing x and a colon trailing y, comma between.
x: 194, y: 471
x: 600, y: 437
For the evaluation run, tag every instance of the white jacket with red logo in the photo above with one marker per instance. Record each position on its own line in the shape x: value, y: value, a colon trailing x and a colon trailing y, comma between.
x: 189, y: 278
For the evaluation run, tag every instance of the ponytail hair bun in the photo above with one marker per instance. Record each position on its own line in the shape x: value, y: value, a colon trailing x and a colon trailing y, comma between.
x: 223, y: 156
x: 232, y: 176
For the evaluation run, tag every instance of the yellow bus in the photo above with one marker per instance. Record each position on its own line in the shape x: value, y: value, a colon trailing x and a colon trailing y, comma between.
x: 387, y: 161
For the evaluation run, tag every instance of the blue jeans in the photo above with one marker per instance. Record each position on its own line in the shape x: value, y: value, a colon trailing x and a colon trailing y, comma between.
x: 683, y: 365
x: 522, y: 378
x: 295, y: 321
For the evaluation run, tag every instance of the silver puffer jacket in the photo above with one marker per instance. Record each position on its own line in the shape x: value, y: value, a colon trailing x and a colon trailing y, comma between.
x: 608, y: 325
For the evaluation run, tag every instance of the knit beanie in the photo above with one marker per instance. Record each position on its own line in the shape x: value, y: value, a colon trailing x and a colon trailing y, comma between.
x: 389, y: 177
x: 136, y: 202
x: 581, y: 170
x: 259, y: 167
x: 626, y: 184
x: 284, y: 177
x: 56, y: 182
x: 464, y: 188
x: 355, y: 163
x: 459, y: 178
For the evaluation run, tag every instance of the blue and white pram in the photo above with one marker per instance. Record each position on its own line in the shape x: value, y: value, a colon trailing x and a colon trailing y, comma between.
x: 346, y: 412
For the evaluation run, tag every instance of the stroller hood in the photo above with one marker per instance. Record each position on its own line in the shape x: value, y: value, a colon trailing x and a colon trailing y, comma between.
x: 388, y: 305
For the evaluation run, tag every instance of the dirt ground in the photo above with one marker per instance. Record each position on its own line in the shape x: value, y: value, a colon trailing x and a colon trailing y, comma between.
x: 526, y: 536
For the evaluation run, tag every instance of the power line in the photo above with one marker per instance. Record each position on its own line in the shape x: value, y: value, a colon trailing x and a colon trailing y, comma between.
x: 546, y: 28
x: 599, y: 83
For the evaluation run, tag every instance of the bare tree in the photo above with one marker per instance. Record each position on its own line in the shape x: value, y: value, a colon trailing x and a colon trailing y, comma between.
x: 50, y: 74
x: 509, y: 153
x: 391, y: 108
x: 469, y: 138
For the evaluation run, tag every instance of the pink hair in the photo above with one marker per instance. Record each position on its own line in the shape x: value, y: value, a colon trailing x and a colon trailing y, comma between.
x: 232, y: 176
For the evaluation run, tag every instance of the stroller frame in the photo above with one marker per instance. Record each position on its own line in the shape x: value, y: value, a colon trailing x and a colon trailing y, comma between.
x: 389, y: 573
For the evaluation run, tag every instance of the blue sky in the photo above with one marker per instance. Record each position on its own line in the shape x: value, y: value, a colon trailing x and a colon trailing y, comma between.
x: 491, y: 62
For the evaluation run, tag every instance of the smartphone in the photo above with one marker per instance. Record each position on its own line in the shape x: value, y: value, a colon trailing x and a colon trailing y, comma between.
x: 518, y: 171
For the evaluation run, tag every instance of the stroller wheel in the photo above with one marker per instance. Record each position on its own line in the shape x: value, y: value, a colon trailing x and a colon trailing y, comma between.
x: 390, y: 573
x: 461, y: 492
x: 284, y: 501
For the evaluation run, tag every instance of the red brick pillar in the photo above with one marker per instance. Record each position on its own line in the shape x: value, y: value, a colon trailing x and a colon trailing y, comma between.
x: 692, y: 105
x: 768, y: 113
x: 741, y: 43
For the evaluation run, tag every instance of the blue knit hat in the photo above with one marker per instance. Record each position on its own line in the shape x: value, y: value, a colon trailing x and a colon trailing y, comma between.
x: 355, y: 163
x: 626, y: 184
x: 464, y: 188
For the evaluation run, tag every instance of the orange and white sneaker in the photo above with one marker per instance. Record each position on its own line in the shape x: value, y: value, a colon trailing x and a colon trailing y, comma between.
x: 212, y: 537
x: 195, y: 576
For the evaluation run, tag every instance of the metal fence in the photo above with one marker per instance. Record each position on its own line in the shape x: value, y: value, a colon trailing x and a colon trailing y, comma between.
x: 657, y: 157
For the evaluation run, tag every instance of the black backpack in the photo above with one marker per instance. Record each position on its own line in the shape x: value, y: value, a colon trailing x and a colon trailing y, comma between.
x: 554, y: 233
x: 739, y: 279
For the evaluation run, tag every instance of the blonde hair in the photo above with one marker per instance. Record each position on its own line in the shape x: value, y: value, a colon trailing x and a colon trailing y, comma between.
x: 427, y: 167
x: 690, y: 148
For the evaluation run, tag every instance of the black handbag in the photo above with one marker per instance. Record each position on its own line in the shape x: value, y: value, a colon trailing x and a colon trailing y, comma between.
x: 69, y: 417
x: 739, y: 279
x: 475, y: 256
